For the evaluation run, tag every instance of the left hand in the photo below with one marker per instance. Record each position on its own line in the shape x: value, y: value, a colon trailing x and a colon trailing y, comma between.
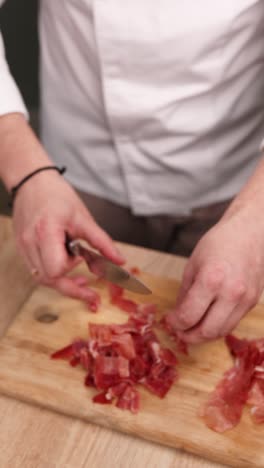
x: 223, y: 278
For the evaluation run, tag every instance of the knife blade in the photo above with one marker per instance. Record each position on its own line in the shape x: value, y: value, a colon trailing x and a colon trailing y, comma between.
x: 103, y: 267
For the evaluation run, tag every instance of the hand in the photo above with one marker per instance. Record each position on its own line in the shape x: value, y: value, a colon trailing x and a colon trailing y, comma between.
x: 45, y: 208
x: 222, y: 280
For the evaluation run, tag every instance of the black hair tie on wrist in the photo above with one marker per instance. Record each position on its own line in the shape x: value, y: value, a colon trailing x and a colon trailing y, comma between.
x: 15, y: 189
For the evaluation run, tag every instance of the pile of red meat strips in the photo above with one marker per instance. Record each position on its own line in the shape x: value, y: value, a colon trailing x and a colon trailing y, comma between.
x: 116, y: 358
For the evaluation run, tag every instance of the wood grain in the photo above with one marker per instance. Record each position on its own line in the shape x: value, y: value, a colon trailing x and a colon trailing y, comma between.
x: 37, y: 438
x: 28, y: 374
x: 16, y: 284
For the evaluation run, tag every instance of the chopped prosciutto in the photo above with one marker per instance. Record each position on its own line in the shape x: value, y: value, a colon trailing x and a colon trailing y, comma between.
x: 93, y: 300
x: 160, y: 379
x: 115, y: 291
x: 240, y: 385
x: 116, y: 390
x: 180, y: 344
x: 129, y: 399
x: 168, y: 357
x: 127, y: 305
x: 109, y: 370
x: 64, y: 353
x: 237, y: 347
x: 134, y: 271
x: 101, y: 333
x: 101, y: 398
x: 71, y: 351
x: 106, y: 335
x: 89, y: 380
x: 118, y: 357
x: 125, y: 345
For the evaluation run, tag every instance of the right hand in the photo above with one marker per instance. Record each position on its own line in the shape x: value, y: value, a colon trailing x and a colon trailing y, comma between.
x: 45, y: 208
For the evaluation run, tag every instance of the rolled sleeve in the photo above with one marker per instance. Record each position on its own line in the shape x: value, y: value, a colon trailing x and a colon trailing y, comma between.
x: 10, y: 96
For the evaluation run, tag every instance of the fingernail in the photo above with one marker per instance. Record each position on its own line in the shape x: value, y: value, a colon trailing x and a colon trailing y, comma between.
x: 81, y: 281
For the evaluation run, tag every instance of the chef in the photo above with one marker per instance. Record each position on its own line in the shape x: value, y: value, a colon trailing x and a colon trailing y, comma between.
x: 156, y: 109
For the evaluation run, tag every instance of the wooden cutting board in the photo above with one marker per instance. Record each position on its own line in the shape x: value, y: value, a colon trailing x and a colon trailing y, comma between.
x: 49, y: 321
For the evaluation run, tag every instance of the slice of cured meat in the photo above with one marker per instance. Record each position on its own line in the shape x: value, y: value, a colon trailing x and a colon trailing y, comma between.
x: 239, y: 385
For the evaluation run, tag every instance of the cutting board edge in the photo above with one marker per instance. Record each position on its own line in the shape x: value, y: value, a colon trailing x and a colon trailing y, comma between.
x: 179, y: 445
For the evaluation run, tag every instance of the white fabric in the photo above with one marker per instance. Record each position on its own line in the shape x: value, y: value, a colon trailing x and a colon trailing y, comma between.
x: 154, y: 104
x: 10, y: 97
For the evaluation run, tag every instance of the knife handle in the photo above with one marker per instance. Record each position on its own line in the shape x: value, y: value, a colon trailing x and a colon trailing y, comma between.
x: 68, y: 242
x: 75, y: 249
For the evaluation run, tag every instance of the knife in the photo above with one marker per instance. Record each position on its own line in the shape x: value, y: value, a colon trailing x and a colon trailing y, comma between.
x: 104, y: 268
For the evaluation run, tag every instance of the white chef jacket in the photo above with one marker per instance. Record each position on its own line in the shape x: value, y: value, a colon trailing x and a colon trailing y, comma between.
x: 153, y: 104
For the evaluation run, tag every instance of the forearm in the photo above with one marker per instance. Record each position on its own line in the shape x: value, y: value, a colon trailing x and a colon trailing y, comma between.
x: 251, y: 198
x: 20, y: 150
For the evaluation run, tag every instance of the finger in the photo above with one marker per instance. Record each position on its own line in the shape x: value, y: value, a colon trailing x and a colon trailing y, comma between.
x: 37, y: 269
x: 70, y: 287
x: 80, y: 280
x: 196, y: 301
x: 246, y: 298
x: 30, y: 254
x: 233, y: 320
x: 211, y: 326
x: 72, y: 263
x: 187, y: 280
x: 55, y: 261
x: 89, y: 230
